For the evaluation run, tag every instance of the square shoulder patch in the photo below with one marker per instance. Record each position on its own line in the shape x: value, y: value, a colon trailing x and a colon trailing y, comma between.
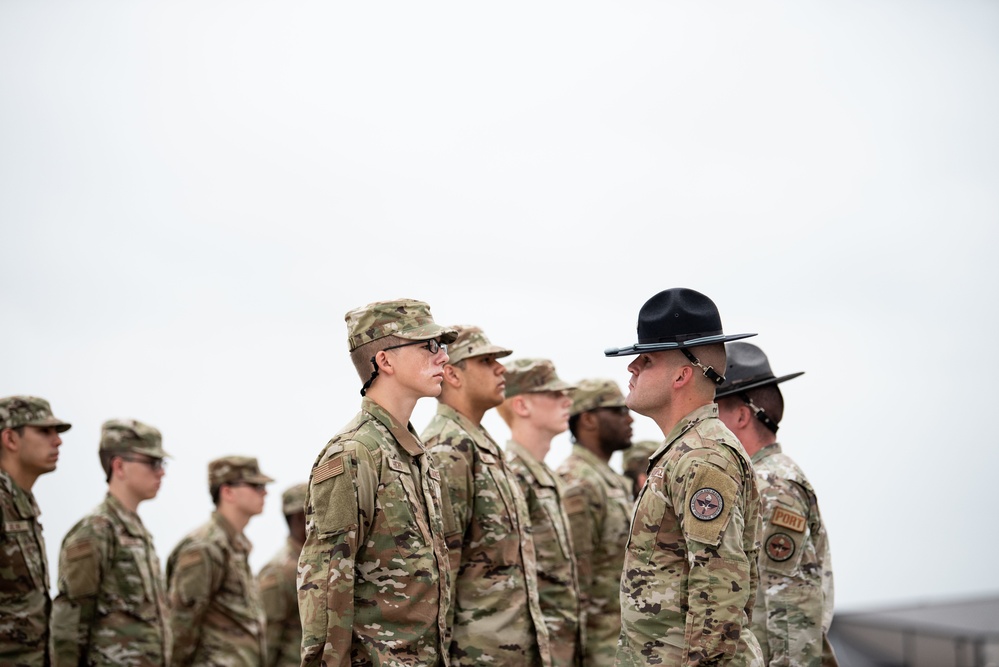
x: 711, y: 495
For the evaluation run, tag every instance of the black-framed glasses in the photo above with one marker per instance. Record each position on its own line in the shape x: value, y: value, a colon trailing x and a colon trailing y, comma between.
x: 154, y: 464
x: 433, y: 345
x: 252, y: 485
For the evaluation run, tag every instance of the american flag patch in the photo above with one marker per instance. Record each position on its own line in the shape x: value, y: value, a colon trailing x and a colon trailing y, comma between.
x: 328, y: 470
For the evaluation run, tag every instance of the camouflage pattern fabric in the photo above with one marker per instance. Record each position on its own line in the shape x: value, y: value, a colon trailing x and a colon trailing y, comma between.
x: 111, y: 608
x: 215, y: 612
x: 17, y: 411
x: 494, y: 615
x: 24, y: 579
x: 795, y: 602
x: 235, y: 469
x: 279, y: 593
x: 405, y: 318
x: 550, y: 510
x: 690, y: 568
x: 373, y: 578
x: 131, y: 435
x: 599, y: 538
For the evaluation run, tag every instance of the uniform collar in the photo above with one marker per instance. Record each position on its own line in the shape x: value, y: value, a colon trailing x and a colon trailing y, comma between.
x: 131, y: 521
x: 486, y: 441
x: 236, y: 539
x: 537, y: 468
x: 692, y: 419
x: 765, y: 452
x: 24, y: 501
x: 406, y: 437
x: 602, y: 469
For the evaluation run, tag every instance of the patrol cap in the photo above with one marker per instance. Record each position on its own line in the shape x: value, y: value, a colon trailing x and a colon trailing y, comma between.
x: 130, y: 435
x: 233, y: 469
x: 531, y: 376
x: 635, y: 459
x: 293, y: 499
x: 405, y: 318
x: 748, y: 368
x: 472, y: 342
x: 596, y: 393
x: 18, y: 411
x: 675, y: 319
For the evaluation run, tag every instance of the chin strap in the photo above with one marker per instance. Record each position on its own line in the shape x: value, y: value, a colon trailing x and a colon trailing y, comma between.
x: 709, y: 372
x: 374, y: 374
x: 760, y: 413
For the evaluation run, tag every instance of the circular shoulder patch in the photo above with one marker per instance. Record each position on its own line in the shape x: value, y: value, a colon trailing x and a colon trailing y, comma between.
x: 706, y: 504
x: 780, y: 547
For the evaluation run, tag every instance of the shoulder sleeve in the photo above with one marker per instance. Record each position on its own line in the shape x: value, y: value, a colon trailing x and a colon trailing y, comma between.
x: 195, y: 573
x: 83, y: 560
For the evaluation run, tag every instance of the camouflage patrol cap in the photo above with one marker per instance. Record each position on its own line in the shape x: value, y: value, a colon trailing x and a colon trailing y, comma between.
x: 405, y: 318
x: 17, y: 411
x: 472, y: 342
x: 293, y: 499
x: 129, y: 435
x: 531, y: 376
x: 233, y: 469
x: 593, y: 394
x: 635, y: 459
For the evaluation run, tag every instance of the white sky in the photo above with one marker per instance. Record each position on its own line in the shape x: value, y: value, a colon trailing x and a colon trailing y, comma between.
x: 192, y: 196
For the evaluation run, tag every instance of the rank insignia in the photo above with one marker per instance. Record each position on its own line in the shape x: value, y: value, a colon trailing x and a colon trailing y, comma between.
x: 780, y: 547
x: 706, y: 504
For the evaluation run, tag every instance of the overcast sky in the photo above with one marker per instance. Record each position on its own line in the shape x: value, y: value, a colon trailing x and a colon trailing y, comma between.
x: 193, y: 195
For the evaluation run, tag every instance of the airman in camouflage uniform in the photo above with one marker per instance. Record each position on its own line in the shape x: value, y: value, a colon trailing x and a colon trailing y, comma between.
x: 111, y: 608
x: 215, y: 611
x: 29, y: 448
x: 794, y: 606
x: 373, y: 578
x: 600, y: 424
x: 494, y: 614
x: 278, y: 587
x: 537, y: 409
x: 635, y: 463
x: 690, y: 569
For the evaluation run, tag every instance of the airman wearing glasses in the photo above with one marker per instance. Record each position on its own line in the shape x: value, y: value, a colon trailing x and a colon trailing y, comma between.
x: 374, y: 580
x: 600, y: 424
x: 216, y: 615
x: 29, y: 448
x: 536, y: 409
x: 111, y: 607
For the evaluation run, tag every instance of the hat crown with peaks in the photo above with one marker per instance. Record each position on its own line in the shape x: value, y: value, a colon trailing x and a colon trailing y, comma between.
x: 18, y: 411
x: 592, y: 394
x: 529, y: 376
x: 131, y: 435
x: 748, y: 368
x: 405, y: 318
x: 676, y: 318
x: 471, y: 341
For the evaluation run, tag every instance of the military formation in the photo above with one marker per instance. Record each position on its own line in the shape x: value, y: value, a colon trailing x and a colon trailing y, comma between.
x: 443, y: 548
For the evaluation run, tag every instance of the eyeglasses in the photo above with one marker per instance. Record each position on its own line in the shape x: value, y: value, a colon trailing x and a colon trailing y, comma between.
x: 251, y: 485
x: 433, y: 345
x: 154, y: 464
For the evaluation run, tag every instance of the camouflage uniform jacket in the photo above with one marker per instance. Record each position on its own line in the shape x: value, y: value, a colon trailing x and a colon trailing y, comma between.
x: 795, y: 601
x: 550, y: 508
x: 215, y: 610
x: 24, y: 579
x: 279, y: 593
x: 599, y: 536
x: 494, y: 615
x: 111, y: 608
x: 373, y: 578
x: 690, y: 568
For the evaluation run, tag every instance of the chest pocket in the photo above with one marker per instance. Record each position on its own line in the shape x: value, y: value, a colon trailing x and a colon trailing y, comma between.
x: 577, y: 509
x: 22, y: 562
x: 494, y: 503
x: 396, y: 503
x: 550, y: 537
x: 131, y: 587
x: 655, y: 522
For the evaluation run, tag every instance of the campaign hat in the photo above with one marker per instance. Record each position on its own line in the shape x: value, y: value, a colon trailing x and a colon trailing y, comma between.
x: 748, y: 368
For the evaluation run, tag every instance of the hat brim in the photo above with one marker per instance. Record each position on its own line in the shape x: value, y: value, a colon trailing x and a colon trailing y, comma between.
x: 639, y: 348
x: 558, y: 385
x: 59, y: 425
x: 428, y: 331
x: 257, y: 479
x: 738, y: 389
x: 495, y: 350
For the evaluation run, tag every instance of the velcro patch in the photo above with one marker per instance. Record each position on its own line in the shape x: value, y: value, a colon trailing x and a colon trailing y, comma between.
x: 79, y: 550
x: 187, y: 559
x: 711, y: 499
x: 657, y: 473
x: 786, y: 519
x: 488, y: 459
x: 779, y: 547
x: 398, y: 466
x: 574, y: 504
x: 16, y: 526
x: 436, y: 475
x: 328, y: 470
x: 129, y: 541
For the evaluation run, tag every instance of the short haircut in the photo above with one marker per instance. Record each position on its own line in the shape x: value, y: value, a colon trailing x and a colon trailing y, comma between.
x: 215, y: 490
x: 106, y: 459
x: 770, y: 400
x: 573, y: 423
x: 361, y: 356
